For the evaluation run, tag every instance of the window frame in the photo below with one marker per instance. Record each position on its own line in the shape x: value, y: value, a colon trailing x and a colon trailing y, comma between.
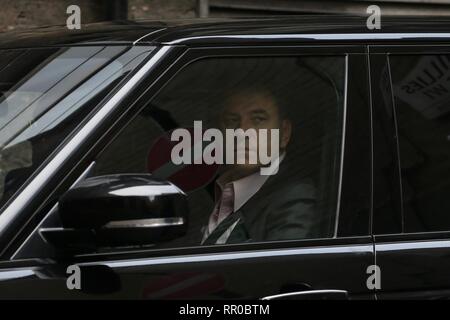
x: 165, y: 71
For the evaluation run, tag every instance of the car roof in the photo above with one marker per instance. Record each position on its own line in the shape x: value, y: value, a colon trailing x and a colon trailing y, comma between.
x: 222, y: 30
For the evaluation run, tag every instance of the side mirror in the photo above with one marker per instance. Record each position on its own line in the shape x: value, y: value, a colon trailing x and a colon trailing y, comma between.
x: 118, y: 210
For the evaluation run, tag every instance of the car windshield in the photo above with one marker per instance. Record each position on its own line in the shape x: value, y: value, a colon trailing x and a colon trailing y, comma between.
x: 44, y: 94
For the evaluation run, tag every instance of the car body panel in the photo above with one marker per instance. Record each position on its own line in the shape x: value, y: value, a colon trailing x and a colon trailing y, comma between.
x: 226, y: 275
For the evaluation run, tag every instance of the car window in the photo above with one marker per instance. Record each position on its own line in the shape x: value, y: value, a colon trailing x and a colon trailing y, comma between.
x: 293, y: 105
x: 422, y: 104
x: 44, y: 94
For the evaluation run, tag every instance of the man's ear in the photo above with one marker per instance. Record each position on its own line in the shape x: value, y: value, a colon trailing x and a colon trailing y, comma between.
x: 286, y: 131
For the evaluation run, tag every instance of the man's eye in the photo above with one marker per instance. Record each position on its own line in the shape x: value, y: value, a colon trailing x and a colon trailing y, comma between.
x: 258, y: 119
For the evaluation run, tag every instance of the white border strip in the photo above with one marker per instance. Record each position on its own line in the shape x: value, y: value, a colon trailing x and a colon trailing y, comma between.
x: 148, y: 34
x: 328, y: 36
x: 341, y: 169
x: 413, y: 245
x: 227, y: 256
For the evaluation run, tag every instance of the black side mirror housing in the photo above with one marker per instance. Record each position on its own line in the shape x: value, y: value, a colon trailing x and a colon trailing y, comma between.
x: 119, y: 210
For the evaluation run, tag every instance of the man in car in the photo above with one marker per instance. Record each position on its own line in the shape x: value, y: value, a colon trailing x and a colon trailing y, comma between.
x: 250, y: 206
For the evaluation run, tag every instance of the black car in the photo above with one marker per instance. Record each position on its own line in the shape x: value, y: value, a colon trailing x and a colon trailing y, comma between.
x: 93, y: 204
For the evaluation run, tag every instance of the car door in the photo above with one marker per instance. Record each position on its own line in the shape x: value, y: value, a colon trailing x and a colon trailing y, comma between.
x: 411, y: 174
x: 326, y: 89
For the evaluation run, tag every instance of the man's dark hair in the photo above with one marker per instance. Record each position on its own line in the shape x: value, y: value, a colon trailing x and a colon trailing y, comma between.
x: 280, y: 101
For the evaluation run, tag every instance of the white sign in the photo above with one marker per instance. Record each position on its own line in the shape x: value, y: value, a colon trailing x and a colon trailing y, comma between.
x: 426, y: 88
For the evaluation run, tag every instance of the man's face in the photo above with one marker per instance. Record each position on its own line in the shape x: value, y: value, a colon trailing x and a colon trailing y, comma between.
x: 254, y: 110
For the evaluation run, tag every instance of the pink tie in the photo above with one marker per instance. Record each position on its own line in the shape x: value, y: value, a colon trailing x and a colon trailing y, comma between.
x: 224, y: 207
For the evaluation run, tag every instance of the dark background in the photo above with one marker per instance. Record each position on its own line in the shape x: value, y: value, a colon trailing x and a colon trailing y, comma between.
x: 20, y: 14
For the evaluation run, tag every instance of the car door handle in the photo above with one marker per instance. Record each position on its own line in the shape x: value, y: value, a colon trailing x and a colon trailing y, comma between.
x: 311, y: 295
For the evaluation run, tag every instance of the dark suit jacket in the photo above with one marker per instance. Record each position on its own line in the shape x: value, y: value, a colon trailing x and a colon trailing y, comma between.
x: 283, y: 209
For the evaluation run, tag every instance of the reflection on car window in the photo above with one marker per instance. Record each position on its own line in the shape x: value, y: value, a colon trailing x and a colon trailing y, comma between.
x: 44, y: 94
x: 422, y: 104
x: 280, y: 183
